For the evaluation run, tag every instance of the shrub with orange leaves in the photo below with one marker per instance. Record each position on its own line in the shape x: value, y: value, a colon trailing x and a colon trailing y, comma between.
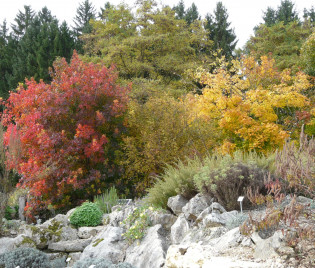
x: 254, y: 104
x: 69, y: 131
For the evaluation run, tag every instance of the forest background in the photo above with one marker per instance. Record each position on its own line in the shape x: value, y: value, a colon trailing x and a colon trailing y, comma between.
x: 128, y: 91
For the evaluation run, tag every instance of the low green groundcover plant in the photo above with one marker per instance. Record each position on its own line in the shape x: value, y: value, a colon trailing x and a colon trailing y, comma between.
x: 28, y: 258
x: 138, y: 222
x: 88, y: 214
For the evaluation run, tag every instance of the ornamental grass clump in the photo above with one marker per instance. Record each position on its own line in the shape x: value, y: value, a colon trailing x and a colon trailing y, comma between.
x: 88, y: 214
x: 296, y: 166
x: 107, y: 200
x: 176, y: 179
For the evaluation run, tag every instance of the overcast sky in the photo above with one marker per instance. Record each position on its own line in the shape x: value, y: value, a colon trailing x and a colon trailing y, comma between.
x: 243, y: 14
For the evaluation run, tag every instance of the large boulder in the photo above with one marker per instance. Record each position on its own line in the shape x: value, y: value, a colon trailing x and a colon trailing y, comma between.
x: 151, y: 252
x: 202, y: 235
x: 108, y: 244
x: 216, y: 219
x: 61, y: 219
x: 120, y: 214
x: 165, y: 219
x: 8, y: 244
x: 232, y: 238
x: 195, y: 206
x: 267, y: 248
x: 217, y: 208
x: 54, y: 230
x: 88, y: 232
x: 176, y: 203
x: 69, y: 246
x: 179, y: 229
x: 184, y: 256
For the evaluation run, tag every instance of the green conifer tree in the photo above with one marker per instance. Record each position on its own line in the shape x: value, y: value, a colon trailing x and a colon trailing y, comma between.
x: 192, y: 14
x: 85, y: 12
x: 220, y: 32
x: 270, y: 17
x: 286, y: 12
x: 180, y: 10
x: 22, y: 21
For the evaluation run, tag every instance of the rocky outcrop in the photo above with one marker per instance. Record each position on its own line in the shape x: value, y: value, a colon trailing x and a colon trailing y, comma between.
x: 108, y: 244
x: 179, y: 229
x: 215, y: 219
x: 151, y: 252
x: 196, y: 234
x: 69, y: 246
x: 8, y: 244
x: 176, y: 204
x: 87, y: 232
x: 195, y: 206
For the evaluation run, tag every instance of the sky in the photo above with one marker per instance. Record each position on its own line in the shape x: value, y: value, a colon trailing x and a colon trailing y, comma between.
x: 244, y: 15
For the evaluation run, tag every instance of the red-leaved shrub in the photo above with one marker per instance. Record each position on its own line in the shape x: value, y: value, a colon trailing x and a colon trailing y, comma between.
x: 70, y: 130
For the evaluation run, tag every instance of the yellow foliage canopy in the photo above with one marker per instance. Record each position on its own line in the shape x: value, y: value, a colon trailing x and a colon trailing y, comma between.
x: 253, y: 103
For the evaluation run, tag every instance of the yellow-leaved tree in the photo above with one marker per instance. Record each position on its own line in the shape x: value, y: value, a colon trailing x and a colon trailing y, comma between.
x: 254, y: 105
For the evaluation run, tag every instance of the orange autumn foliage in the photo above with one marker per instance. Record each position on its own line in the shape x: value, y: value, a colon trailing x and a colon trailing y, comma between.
x: 68, y: 131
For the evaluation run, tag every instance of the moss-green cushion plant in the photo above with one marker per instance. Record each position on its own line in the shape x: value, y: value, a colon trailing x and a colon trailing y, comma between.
x: 88, y: 214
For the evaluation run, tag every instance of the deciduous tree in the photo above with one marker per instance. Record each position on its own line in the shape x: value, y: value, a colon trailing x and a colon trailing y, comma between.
x: 69, y: 131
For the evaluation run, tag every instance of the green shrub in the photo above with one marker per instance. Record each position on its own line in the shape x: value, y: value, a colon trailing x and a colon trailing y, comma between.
x: 107, y: 200
x: 227, y: 183
x: 25, y: 258
x: 177, y: 179
x: 88, y: 214
x: 10, y: 212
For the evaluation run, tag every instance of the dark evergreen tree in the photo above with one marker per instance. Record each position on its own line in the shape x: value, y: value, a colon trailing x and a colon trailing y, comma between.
x: 64, y: 42
x: 286, y: 12
x: 85, y: 12
x: 191, y: 14
x: 6, y: 53
x: 180, y: 10
x: 33, y: 53
x: 107, y: 7
x: 270, y: 17
x: 309, y: 15
x: 4, y: 32
x: 220, y: 32
x: 210, y: 26
x: 22, y: 21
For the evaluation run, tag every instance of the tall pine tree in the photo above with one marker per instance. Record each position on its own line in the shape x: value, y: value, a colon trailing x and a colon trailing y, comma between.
x: 22, y: 21
x: 270, y: 16
x: 180, y: 10
x: 85, y: 12
x: 286, y: 12
x: 192, y: 14
x: 220, y: 32
x: 33, y: 52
